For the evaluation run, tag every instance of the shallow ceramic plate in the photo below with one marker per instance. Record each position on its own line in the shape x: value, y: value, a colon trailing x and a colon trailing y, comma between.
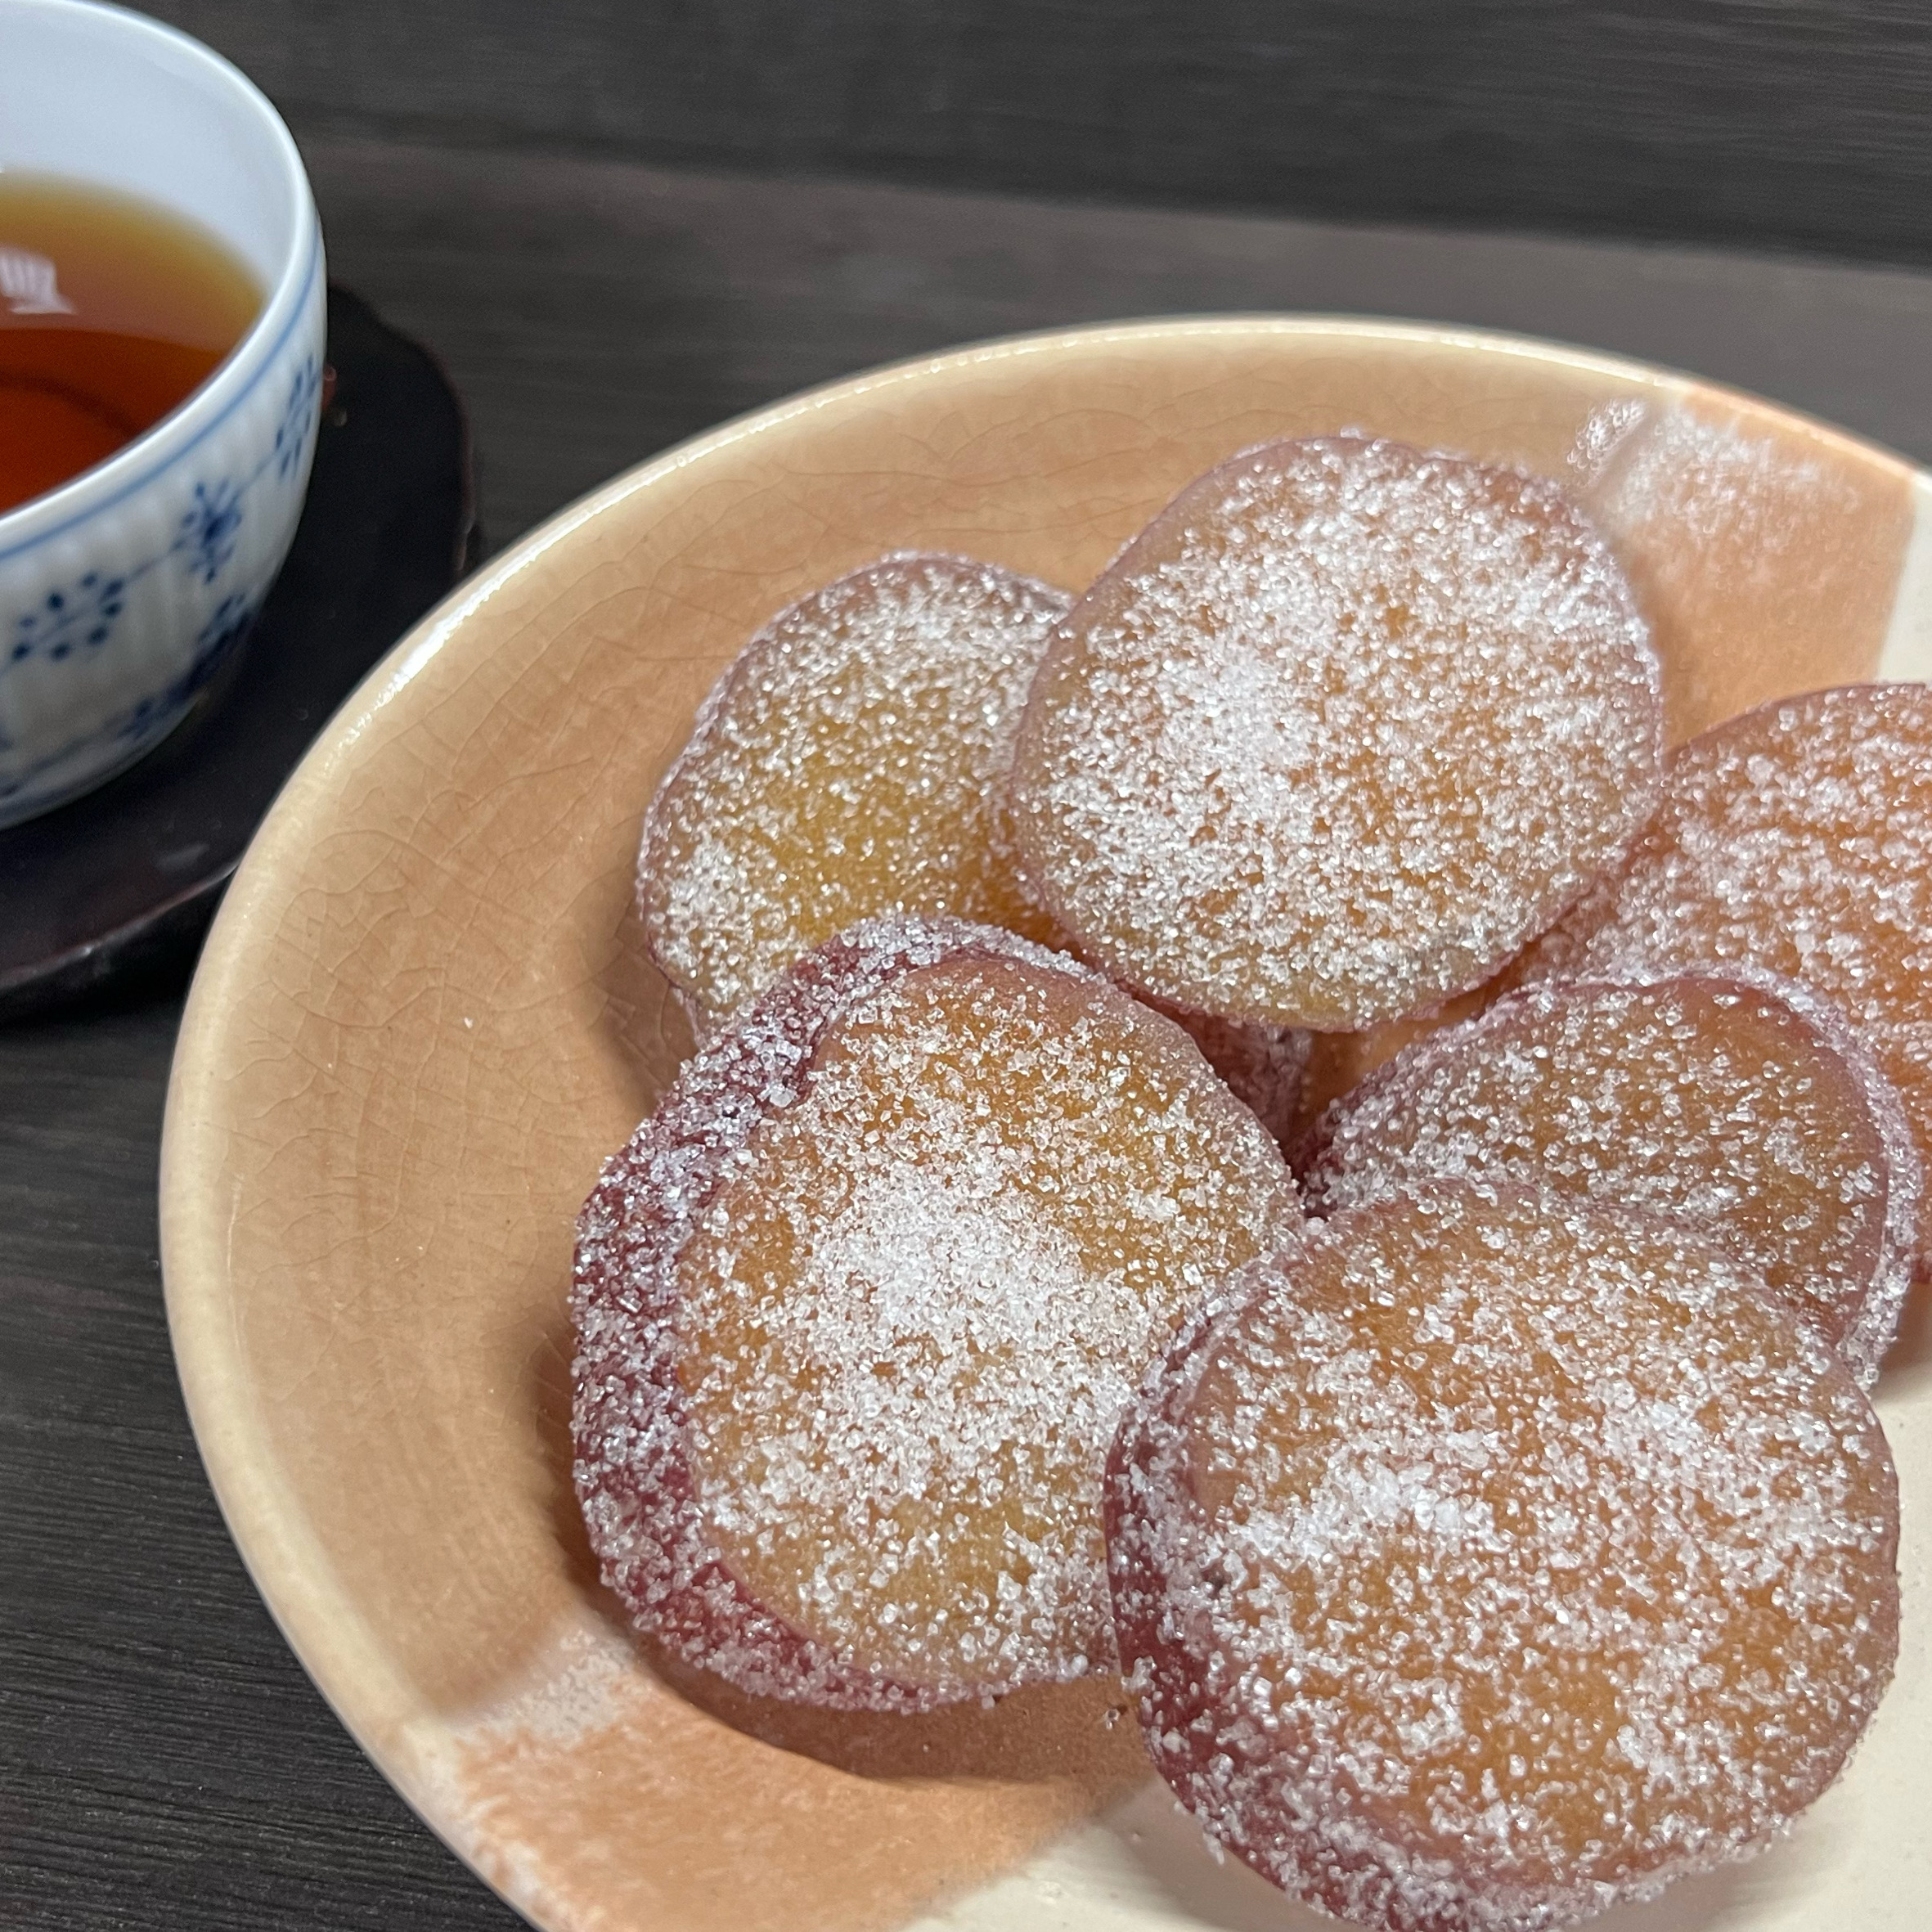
x: 423, y: 1020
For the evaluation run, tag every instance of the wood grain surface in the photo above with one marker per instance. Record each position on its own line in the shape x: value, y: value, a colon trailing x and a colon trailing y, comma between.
x: 592, y: 312
x: 163, y: 1763
x: 1778, y: 123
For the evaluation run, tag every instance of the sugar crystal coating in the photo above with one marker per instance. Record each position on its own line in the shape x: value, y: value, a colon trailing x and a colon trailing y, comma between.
x: 1744, y: 1107
x: 1798, y: 837
x: 1336, y: 734
x: 845, y: 766
x: 860, y: 1305
x: 1499, y: 1559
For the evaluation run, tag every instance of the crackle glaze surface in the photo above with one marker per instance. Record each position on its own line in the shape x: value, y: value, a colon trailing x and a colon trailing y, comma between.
x: 423, y: 1019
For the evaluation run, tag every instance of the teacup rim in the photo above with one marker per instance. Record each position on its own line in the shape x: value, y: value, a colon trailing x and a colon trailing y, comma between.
x: 138, y: 462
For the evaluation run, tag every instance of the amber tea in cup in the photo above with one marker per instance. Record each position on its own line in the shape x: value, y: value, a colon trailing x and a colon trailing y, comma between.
x: 113, y: 310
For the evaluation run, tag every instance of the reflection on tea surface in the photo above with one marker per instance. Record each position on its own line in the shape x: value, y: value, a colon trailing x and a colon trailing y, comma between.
x: 112, y: 311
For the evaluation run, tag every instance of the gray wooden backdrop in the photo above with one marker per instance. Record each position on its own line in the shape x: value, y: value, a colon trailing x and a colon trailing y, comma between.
x: 1798, y: 123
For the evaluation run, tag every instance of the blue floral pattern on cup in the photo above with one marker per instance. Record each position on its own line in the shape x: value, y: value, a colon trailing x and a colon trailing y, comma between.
x: 207, y: 529
x: 81, y: 614
x: 298, y: 415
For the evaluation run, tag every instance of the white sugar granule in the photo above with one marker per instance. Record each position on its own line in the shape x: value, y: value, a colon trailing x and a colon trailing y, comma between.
x: 1746, y: 1106
x: 988, y: 1220
x: 844, y: 766
x: 1342, y: 728
x: 1796, y: 838
x: 957, y: 1349
x: 1488, y: 1568
x: 861, y: 1306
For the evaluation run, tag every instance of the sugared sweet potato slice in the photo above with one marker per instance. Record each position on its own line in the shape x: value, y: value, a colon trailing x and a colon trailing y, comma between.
x: 1336, y: 734
x: 1499, y: 1559
x: 1798, y: 838
x: 859, y: 1307
x: 1746, y: 1108
x: 846, y: 765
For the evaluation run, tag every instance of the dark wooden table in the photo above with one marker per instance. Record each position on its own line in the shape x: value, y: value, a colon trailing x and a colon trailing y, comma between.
x: 164, y: 1762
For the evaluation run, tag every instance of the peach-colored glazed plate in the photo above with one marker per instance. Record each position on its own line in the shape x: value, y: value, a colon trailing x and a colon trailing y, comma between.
x: 423, y: 1020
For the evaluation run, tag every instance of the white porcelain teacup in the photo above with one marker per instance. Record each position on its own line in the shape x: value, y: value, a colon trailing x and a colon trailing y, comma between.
x: 125, y: 588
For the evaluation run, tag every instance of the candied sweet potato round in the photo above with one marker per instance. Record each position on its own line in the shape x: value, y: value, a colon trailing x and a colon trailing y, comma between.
x: 1498, y: 1559
x: 860, y: 1306
x: 1797, y: 838
x: 1342, y: 728
x: 846, y: 765
x: 1746, y: 1106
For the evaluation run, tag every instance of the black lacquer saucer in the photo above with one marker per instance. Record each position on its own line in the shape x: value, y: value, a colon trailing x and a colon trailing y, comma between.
x: 119, y: 885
